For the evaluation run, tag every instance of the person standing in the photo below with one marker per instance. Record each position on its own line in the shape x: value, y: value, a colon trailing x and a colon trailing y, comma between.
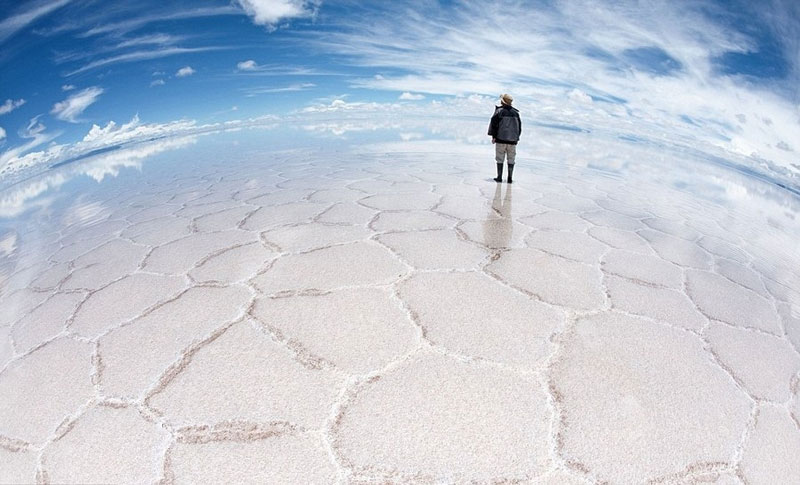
x: 505, y: 128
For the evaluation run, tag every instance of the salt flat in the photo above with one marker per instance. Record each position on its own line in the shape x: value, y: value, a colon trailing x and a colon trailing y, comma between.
x: 400, y: 318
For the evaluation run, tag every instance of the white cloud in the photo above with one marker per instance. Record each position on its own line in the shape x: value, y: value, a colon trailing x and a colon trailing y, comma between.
x: 67, y: 87
x: 10, y: 105
x: 270, y: 12
x: 157, y: 82
x: 2, y: 133
x: 579, y: 96
x: 411, y: 97
x: 185, y: 71
x: 249, y: 65
x: 75, y: 105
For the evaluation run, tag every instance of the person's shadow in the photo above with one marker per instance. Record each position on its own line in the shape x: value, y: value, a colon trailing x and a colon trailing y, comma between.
x: 497, y: 231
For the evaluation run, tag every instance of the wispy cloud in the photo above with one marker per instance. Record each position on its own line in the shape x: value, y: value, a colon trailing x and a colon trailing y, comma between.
x: 157, y: 82
x: 251, y: 67
x: 185, y: 71
x: 67, y: 87
x: 22, y: 19
x: 150, y: 39
x: 142, y: 55
x: 270, y: 12
x: 254, y: 91
x: 75, y: 105
x: 10, y: 105
x: 2, y: 134
x: 411, y: 97
x: 121, y: 28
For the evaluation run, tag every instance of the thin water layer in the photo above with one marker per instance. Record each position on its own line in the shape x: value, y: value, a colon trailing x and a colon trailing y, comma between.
x: 226, y: 309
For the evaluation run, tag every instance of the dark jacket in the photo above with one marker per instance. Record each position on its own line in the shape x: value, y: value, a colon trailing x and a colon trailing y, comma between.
x: 506, y: 125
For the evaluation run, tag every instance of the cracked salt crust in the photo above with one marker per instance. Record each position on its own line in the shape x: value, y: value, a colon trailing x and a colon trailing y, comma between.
x: 434, y: 249
x: 556, y: 221
x: 280, y: 458
x: 304, y: 237
x: 45, y: 322
x: 261, y: 381
x: 353, y: 264
x: 17, y: 466
x: 43, y: 388
x: 356, y: 330
x: 234, y: 264
x: 135, y: 354
x: 571, y: 245
x: 677, y: 250
x: 397, y: 319
x: 765, y: 364
x: 115, y: 445
x: 642, y: 267
x: 520, y: 326
x: 721, y: 299
x: 555, y: 280
x: 770, y: 455
x: 441, y: 420
x: 122, y: 301
x: 662, y: 304
x: 641, y: 400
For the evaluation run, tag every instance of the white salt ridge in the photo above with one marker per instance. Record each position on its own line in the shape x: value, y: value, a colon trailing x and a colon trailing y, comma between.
x: 410, y: 423
x: 768, y: 454
x: 661, y: 304
x: 642, y: 267
x: 635, y: 377
x: 724, y: 300
x: 356, y: 330
x: 520, y: 327
x: 677, y: 250
x: 571, y: 245
x: 32, y: 402
x: 122, y: 301
x: 133, y: 356
x: 354, y: 264
x: 763, y: 363
x: 555, y: 280
x: 106, y: 445
x: 261, y: 382
x: 46, y: 321
x: 434, y: 249
x: 278, y: 458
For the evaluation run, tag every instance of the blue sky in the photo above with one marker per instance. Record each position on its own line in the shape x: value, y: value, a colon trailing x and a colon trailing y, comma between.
x: 731, y: 68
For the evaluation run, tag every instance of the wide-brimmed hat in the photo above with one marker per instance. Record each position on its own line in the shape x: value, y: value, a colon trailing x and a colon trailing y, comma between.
x: 506, y: 99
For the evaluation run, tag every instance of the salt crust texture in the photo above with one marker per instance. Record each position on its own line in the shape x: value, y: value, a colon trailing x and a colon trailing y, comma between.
x: 397, y: 320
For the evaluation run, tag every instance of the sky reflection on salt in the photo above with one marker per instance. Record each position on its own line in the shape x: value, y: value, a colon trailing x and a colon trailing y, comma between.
x: 760, y: 211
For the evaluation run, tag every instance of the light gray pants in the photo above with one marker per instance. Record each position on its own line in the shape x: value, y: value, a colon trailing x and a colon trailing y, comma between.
x: 503, y: 149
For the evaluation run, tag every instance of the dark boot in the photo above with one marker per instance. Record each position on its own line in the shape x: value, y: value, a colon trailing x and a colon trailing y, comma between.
x: 499, y: 173
x: 510, y: 172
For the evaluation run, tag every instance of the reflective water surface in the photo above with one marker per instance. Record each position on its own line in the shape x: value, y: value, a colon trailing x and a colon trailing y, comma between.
x: 369, y: 305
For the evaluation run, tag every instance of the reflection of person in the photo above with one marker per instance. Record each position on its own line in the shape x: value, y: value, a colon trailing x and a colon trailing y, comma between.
x: 497, y: 231
x: 505, y: 128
